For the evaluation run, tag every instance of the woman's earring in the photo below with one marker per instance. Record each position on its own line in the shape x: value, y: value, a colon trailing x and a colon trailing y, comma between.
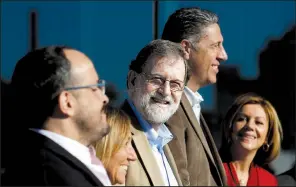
x: 265, y: 147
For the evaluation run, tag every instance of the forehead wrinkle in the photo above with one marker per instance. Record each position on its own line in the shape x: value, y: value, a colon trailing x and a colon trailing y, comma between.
x: 170, y: 61
x: 155, y: 60
x: 167, y: 68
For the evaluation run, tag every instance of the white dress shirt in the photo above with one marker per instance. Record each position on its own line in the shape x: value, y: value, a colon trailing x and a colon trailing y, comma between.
x: 158, y: 139
x: 195, y: 99
x: 80, y: 151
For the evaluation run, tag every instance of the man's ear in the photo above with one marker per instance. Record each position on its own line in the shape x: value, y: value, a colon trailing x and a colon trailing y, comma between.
x: 66, y: 103
x: 187, y: 48
x: 131, y: 79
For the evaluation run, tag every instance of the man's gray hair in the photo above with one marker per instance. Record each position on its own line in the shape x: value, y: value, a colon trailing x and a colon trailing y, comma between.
x: 188, y: 23
x: 158, y: 48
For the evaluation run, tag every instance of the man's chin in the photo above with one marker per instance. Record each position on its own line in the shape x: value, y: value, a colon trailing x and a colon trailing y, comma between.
x: 104, y: 131
x: 213, y: 80
x: 154, y: 120
x: 158, y: 117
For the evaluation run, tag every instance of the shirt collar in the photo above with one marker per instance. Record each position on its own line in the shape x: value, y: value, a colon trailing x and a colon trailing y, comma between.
x: 156, y: 138
x: 78, y: 150
x: 194, y: 97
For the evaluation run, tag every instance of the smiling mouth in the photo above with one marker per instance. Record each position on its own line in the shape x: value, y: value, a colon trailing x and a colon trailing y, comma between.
x: 247, y: 136
x: 123, y: 167
x: 160, y: 101
x: 215, y: 67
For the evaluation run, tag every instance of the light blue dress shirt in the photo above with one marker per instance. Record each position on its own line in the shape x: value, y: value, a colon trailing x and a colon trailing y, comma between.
x: 157, y: 140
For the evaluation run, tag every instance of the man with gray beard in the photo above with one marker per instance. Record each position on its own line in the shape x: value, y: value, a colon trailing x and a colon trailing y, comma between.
x: 155, y: 83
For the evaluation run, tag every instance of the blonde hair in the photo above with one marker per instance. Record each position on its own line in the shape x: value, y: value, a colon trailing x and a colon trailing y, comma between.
x: 119, y: 133
x: 274, y: 133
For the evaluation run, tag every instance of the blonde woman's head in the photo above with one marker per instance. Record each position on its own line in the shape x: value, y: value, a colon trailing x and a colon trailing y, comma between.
x: 115, y: 149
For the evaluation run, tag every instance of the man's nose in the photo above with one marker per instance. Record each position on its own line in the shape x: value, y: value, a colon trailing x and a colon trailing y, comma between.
x: 222, y: 54
x: 165, y: 89
x: 105, y: 99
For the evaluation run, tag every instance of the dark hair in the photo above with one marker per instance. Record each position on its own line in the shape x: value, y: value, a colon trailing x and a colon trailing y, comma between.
x: 188, y: 23
x: 37, y: 78
x: 158, y: 48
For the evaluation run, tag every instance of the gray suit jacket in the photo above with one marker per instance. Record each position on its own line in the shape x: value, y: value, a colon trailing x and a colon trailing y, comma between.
x: 145, y: 171
x: 194, y: 149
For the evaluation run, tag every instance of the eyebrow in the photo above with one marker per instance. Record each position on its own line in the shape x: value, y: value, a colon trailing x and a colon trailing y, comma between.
x: 260, y: 117
x: 242, y: 114
x: 219, y: 42
x: 157, y: 75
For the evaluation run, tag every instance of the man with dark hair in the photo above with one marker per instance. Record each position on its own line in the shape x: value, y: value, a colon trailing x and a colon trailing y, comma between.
x: 59, y: 104
x: 155, y: 84
x: 193, y: 147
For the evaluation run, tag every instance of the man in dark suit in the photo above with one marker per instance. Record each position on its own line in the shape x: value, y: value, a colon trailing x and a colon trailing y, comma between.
x: 58, y: 112
x: 193, y: 147
x: 155, y: 82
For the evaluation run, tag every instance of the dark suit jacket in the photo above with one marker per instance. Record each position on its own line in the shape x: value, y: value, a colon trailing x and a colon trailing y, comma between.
x: 144, y: 171
x: 38, y: 161
x: 194, y: 149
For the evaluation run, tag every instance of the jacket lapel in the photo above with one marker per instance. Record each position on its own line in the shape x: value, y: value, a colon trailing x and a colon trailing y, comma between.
x: 218, y: 161
x: 143, y: 147
x: 172, y: 163
x: 196, y: 126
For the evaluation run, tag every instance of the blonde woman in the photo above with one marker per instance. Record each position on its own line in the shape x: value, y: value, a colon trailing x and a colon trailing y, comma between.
x: 115, y: 150
x: 252, y: 135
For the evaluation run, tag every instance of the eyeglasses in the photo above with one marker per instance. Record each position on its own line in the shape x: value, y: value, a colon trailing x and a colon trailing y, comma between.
x: 101, y: 85
x: 158, y: 81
